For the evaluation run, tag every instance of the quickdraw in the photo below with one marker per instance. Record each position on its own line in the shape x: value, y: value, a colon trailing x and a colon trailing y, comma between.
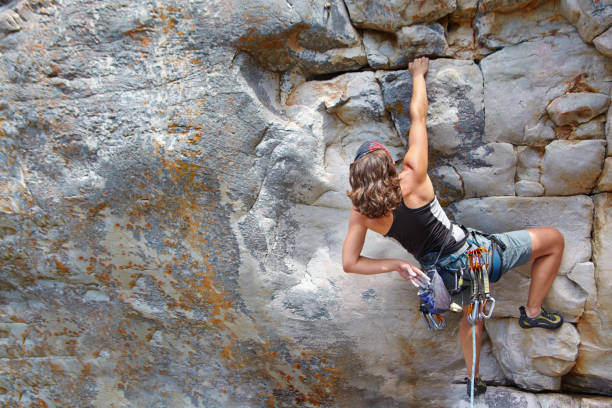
x: 478, y: 267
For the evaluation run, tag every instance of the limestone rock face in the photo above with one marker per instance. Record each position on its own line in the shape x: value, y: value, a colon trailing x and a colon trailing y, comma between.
x: 551, y: 354
x: 455, y: 117
x: 572, y: 167
x: 605, y: 180
x: 502, y: 25
x: 589, y: 17
x: 384, y: 16
x: 603, y: 43
x: 173, y: 204
x: 392, y: 51
x: 577, y: 107
x: 556, y: 64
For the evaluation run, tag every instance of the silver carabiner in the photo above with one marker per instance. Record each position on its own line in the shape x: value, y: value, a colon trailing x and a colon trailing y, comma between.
x: 484, y: 315
x: 474, y: 316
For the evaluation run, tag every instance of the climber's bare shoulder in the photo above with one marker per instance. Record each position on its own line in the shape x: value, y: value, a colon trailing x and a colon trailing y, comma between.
x: 417, y: 191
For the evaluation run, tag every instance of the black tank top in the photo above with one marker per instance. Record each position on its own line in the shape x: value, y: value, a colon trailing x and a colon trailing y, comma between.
x: 422, y: 230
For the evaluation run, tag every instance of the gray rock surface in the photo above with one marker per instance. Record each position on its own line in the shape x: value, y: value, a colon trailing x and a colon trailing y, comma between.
x: 603, y: 43
x: 572, y: 167
x: 605, y: 180
x: 556, y: 66
x: 502, y: 26
x: 575, y: 108
x: 590, y: 17
x: 534, y: 359
x: 384, y: 16
x: 526, y: 188
x: 173, y: 202
x: 455, y: 117
x: 392, y: 51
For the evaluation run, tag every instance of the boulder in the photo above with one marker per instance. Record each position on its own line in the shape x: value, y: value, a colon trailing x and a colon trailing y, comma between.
x: 572, y: 167
x: 603, y: 43
x: 534, y: 359
x: 500, y: 214
x: 529, y: 75
x: 575, y: 108
x: 455, y: 115
x: 388, y: 51
x: 384, y: 16
x: 605, y: 180
x: 590, y: 17
x: 501, y: 26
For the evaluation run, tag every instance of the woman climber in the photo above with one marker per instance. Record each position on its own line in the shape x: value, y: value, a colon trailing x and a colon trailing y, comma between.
x: 403, y: 206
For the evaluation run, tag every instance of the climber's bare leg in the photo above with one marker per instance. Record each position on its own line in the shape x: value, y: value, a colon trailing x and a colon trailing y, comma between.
x: 547, y: 246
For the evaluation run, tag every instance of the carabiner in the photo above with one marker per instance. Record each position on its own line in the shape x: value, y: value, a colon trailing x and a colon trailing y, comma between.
x: 484, y: 315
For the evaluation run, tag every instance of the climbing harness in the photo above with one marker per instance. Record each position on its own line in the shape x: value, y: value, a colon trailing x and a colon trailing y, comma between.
x: 479, y: 262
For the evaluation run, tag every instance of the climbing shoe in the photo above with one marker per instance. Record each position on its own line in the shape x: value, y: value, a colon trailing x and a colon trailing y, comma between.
x: 479, y: 386
x: 545, y: 320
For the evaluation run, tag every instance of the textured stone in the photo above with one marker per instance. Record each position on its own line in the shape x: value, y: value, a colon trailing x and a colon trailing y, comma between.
x: 567, y: 298
x: 500, y: 214
x: 603, y: 43
x: 487, y: 170
x: 595, y: 129
x: 572, y: 167
x: 503, y: 26
x: 529, y: 75
x: 590, y: 17
x: 455, y: 115
x: 534, y: 359
x: 447, y: 184
x: 526, y: 188
x: 605, y: 180
x: 583, y: 274
x: 384, y: 16
x: 574, y: 108
x: 173, y: 205
x: 539, y: 134
x: 387, y: 51
x: 309, y: 36
x: 592, y: 373
x: 609, y: 131
x: 529, y: 163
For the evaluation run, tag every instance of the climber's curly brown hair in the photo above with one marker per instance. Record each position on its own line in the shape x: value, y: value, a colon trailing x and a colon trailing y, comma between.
x: 375, y: 184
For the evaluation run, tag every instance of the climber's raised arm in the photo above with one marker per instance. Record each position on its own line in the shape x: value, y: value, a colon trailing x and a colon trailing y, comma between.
x: 415, y: 158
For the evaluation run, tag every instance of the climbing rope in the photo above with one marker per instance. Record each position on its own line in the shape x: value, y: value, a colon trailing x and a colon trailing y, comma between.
x: 473, y: 364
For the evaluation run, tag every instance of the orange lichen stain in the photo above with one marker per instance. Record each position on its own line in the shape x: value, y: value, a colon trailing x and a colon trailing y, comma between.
x: 56, y: 369
x: 61, y: 268
x: 39, y: 403
x: 17, y: 319
x: 579, y: 84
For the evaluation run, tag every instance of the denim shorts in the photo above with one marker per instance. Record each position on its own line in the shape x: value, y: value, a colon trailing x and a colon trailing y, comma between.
x: 517, y: 252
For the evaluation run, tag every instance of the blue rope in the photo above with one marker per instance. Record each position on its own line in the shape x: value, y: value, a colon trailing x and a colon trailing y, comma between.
x: 473, y: 365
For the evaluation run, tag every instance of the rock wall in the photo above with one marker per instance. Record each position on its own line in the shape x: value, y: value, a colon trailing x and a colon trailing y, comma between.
x: 172, y: 198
